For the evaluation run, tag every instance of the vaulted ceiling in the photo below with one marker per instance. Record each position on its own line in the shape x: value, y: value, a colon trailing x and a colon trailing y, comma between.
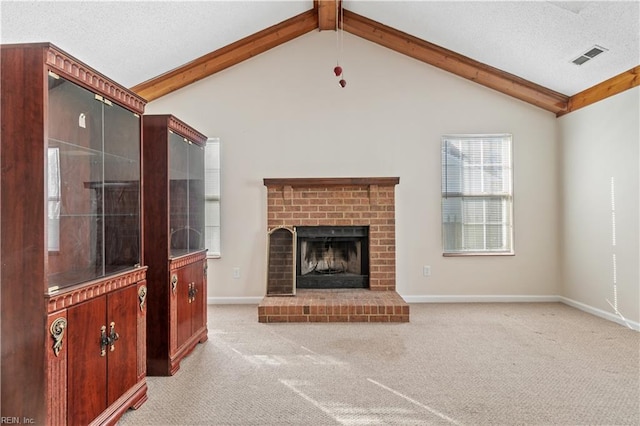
x: 524, y: 49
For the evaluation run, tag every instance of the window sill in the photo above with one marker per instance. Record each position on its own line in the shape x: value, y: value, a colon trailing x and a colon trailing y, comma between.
x: 465, y: 254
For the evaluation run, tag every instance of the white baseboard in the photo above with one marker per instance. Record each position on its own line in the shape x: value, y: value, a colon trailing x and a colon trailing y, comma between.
x: 409, y: 299
x: 480, y: 299
x: 234, y: 300
x: 467, y: 299
x: 600, y: 313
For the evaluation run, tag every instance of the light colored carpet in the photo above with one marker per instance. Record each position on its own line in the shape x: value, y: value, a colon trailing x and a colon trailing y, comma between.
x: 474, y: 364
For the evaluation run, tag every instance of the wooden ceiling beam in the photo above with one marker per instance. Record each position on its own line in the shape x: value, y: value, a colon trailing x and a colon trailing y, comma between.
x: 327, y: 13
x: 228, y: 56
x: 323, y: 16
x: 455, y: 63
x: 621, y: 82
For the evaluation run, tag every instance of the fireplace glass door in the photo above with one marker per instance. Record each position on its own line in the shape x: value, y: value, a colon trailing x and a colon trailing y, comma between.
x: 330, y: 257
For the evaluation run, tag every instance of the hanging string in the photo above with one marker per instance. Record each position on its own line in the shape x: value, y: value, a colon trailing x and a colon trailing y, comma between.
x: 337, y: 37
x: 341, y: 29
x: 340, y: 36
x: 338, y: 69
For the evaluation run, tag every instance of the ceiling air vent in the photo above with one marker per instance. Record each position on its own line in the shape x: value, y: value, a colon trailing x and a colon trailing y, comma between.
x: 589, y: 55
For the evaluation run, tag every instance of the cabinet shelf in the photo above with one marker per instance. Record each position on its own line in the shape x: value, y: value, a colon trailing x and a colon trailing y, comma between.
x: 83, y: 151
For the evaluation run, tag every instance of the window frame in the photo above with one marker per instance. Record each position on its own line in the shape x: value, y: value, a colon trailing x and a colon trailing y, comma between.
x: 213, y: 197
x: 507, y: 197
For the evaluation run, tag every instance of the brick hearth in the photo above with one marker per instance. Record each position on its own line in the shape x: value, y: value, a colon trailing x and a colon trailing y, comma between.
x: 293, y: 202
x: 335, y: 305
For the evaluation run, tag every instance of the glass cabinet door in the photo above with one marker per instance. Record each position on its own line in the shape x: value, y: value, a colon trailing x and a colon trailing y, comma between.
x: 121, y: 189
x: 74, y: 164
x: 186, y: 196
x: 83, y: 166
x: 178, y: 195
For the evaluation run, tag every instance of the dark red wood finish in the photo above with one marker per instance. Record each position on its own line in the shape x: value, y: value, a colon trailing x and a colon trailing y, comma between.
x: 191, y: 312
x: 155, y: 157
x: 87, y: 393
x: 121, y: 371
x: 183, y: 302
x: 22, y: 274
x: 199, y: 304
x: 170, y: 332
x: 35, y: 380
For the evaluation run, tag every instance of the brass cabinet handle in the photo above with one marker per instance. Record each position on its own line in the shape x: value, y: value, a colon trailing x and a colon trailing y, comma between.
x: 104, y: 340
x: 113, y: 336
x: 108, y: 339
x: 192, y: 292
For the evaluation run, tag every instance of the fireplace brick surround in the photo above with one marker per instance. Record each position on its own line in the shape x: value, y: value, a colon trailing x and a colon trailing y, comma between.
x: 293, y: 202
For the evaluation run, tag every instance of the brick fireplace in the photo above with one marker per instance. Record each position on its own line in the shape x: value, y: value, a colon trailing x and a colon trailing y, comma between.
x: 361, y: 203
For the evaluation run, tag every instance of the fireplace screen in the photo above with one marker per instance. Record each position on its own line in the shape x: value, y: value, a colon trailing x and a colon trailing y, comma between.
x: 280, y: 262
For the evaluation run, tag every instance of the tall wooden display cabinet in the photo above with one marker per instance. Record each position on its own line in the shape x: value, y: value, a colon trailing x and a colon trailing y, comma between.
x: 173, y: 155
x: 73, y: 291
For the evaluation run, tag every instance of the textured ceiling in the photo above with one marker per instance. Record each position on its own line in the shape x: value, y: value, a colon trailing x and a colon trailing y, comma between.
x: 133, y: 41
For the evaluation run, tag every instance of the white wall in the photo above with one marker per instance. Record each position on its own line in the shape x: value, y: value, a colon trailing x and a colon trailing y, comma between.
x: 598, y: 143
x: 282, y: 114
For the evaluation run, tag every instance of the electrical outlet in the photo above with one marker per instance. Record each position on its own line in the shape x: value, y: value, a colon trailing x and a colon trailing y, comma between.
x: 426, y: 271
x: 236, y: 272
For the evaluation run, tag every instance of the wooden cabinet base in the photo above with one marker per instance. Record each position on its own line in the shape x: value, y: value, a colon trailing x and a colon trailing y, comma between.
x: 96, y: 354
x: 184, y: 316
x: 186, y: 349
x: 134, y: 399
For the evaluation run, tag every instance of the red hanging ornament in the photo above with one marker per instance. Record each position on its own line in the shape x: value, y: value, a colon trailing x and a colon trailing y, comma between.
x: 339, y: 35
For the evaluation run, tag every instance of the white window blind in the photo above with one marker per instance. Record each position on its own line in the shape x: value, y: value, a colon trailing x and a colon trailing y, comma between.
x: 212, y: 196
x: 477, y: 194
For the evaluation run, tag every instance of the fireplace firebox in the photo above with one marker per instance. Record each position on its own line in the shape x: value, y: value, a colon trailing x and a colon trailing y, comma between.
x: 332, y: 257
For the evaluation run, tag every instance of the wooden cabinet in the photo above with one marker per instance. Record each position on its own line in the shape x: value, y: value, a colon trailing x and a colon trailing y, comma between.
x: 190, y: 289
x: 105, y: 351
x: 173, y: 155
x: 71, y: 235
